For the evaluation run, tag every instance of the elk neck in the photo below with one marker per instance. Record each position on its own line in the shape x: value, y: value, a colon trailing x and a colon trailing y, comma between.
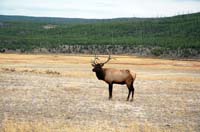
x: 100, y: 74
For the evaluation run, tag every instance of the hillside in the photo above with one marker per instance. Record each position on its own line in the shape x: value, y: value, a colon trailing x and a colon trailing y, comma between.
x: 53, y: 20
x: 172, y: 36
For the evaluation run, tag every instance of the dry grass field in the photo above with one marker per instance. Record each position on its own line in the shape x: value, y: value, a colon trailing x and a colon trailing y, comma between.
x: 60, y: 93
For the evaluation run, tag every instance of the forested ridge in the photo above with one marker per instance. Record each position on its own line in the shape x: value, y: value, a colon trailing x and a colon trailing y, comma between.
x: 173, y: 36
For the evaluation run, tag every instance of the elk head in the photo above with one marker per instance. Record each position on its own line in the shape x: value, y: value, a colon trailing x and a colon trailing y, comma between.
x: 98, y: 66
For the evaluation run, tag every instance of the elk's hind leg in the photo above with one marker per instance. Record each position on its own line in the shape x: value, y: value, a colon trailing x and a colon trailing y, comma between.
x: 129, y: 92
x: 132, y: 90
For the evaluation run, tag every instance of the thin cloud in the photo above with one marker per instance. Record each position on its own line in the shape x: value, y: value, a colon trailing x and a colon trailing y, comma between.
x: 99, y: 8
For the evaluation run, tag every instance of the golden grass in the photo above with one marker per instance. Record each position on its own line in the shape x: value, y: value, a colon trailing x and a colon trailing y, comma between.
x: 38, y: 63
x: 40, y: 126
x: 81, y: 74
x: 12, y: 126
x: 170, y: 78
x: 77, y: 74
x: 41, y: 59
x: 86, y: 59
x: 78, y: 67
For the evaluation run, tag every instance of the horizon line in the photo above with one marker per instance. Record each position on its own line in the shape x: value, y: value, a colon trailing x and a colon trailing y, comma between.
x: 159, y: 16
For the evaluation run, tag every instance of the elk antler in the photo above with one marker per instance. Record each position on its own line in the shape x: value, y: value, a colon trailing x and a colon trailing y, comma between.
x: 109, y: 58
x: 94, y: 61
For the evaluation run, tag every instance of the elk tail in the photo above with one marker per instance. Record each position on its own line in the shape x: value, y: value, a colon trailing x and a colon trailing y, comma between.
x: 134, y: 75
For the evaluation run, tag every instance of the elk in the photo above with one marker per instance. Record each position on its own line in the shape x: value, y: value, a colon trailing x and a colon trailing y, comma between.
x: 114, y: 76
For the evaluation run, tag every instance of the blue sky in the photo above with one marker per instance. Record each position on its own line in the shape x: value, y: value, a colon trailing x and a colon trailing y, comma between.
x: 98, y: 8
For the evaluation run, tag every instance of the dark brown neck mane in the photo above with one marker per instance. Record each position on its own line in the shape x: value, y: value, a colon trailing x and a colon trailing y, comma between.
x: 100, y: 74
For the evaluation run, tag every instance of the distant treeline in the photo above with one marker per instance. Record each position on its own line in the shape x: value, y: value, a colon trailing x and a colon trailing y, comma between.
x: 179, y: 35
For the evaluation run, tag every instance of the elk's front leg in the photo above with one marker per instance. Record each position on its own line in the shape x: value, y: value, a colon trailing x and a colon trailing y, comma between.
x: 110, y: 91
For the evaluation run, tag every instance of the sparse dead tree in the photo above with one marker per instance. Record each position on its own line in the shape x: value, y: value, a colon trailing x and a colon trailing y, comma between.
x: 114, y: 76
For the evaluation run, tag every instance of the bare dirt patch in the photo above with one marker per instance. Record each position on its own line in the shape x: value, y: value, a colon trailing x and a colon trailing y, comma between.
x: 60, y: 93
